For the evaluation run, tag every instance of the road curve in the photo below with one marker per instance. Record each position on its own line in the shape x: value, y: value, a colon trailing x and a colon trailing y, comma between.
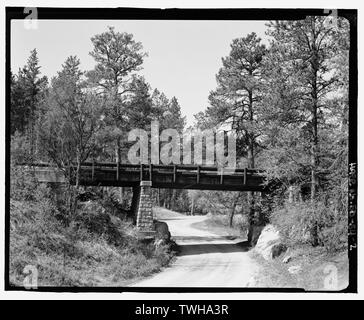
x: 205, y: 259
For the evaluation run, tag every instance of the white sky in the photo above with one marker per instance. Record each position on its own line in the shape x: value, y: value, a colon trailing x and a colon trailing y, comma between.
x: 184, y: 56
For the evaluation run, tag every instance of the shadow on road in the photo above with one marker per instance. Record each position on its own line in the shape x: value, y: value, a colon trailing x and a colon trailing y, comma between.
x: 203, y: 248
x: 169, y: 219
x: 198, y: 238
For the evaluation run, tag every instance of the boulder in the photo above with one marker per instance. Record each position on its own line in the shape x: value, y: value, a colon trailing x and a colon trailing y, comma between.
x: 158, y: 242
x: 278, y: 249
x: 287, y: 259
x: 161, y: 230
x: 254, y: 232
x: 269, y: 244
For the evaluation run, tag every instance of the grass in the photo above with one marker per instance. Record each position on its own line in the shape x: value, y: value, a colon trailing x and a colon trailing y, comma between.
x: 76, y: 255
x: 314, y: 274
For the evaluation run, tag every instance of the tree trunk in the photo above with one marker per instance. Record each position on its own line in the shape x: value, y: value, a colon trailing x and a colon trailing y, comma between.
x: 193, y: 206
x: 118, y: 160
x: 159, y: 197
x: 314, y: 152
x: 78, y: 169
x: 134, y: 203
x: 174, y: 199
x: 251, y: 164
x: 232, y: 213
x: 314, y: 132
x: 169, y: 199
x: 251, y: 194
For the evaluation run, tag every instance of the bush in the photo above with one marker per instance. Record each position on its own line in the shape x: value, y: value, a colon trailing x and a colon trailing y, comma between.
x: 110, y: 203
x: 96, y: 245
x: 95, y: 219
x: 20, y: 148
x: 95, y: 249
x: 315, y: 224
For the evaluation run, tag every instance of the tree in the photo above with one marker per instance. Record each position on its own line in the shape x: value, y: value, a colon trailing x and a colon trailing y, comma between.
x: 117, y: 56
x: 169, y: 116
x: 306, y: 98
x: 139, y: 109
x: 308, y: 52
x: 70, y: 125
x: 28, y: 90
x: 237, y: 100
x: 172, y: 117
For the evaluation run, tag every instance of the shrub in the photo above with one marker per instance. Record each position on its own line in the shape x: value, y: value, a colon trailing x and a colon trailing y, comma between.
x: 110, y: 203
x: 95, y: 245
x: 315, y: 224
x: 93, y: 217
x: 20, y: 148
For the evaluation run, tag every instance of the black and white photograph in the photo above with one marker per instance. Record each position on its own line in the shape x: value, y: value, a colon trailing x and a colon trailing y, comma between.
x: 181, y: 150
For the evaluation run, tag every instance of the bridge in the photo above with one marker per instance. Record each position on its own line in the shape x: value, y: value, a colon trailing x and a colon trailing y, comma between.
x: 162, y: 176
x: 144, y: 177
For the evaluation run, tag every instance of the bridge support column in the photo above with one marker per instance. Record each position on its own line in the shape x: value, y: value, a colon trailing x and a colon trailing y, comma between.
x: 144, y: 212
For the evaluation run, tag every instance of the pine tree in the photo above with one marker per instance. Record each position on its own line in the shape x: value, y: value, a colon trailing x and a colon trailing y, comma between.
x: 237, y: 100
x: 305, y: 103
x: 118, y: 57
x: 28, y: 89
x: 308, y: 54
x: 72, y: 121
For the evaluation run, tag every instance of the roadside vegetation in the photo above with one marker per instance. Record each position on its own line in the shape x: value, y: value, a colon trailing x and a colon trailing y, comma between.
x: 316, y: 267
x: 78, y: 236
x: 287, y: 103
x: 96, y: 247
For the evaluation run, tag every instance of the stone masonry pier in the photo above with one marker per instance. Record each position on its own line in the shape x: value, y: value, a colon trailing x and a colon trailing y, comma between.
x: 144, y: 210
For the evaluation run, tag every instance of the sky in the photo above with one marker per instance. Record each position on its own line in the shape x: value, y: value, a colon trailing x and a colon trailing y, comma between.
x: 183, y: 56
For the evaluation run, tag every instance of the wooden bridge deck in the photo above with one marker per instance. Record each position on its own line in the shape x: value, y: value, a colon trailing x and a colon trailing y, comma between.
x: 162, y: 176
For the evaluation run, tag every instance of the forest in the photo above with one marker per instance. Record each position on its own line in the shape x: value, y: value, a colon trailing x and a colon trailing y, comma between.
x: 286, y: 102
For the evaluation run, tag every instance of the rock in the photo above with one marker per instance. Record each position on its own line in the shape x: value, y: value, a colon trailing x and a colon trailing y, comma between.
x: 278, y: 249
x: 254, y: 233
x: 269, y: 244
x: 158, y: 242
x: 288, y: 256
x: 287, y: 259
x: 295, y: 269
x: 162, y: 231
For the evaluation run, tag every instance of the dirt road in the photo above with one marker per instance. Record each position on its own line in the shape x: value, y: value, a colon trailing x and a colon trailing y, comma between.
x: 205, y: 259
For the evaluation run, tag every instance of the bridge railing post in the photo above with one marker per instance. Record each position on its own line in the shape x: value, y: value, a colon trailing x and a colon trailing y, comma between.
x: 118, y: 170
x: 93, y: 170
x: 141, y: 172
x: 174, y: 174
x: 151, y: 172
